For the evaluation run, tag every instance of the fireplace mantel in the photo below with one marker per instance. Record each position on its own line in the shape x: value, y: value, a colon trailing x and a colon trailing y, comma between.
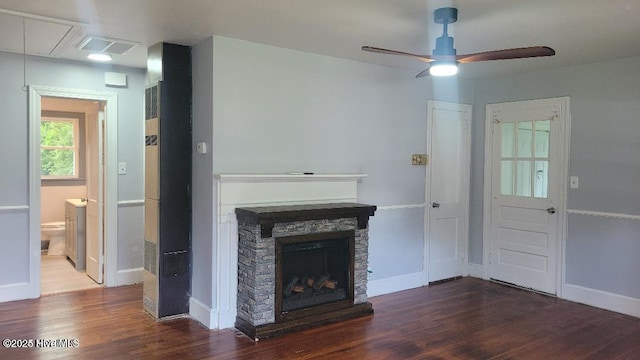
x: 268, y: 216
x: 258, y: 190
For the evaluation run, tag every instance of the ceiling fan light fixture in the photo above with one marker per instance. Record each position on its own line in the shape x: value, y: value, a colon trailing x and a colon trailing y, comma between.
x: 101, y: 57
x: 444, y: 59
x: 443, y: 68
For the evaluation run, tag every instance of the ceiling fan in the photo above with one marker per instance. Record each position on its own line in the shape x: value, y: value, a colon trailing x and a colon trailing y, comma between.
x: 444, y: 61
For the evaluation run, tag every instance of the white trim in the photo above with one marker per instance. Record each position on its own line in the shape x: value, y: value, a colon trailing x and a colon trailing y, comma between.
x: 476, y: 270
x: 15, y: 208
x: 36, y: 92
x: 602, y: 299
x: 202, y: 313
x: 394, y: 284
x: 131, y: 203
x: 402, y: 207
x: 466, y: 185
x: 486, y: 213
x: 35, y: 111
x: 604, y: 214
x: 129, y: 276
x: 17, y: 291
x: 564, y: 134
x: 297, y: 177
x: 43, y: 18
x: 228, y: 208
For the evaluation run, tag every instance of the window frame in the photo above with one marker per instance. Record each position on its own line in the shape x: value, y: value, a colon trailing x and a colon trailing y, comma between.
x: 78, y: 121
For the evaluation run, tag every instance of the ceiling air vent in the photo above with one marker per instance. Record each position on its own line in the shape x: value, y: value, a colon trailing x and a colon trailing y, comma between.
x: 105, y: 45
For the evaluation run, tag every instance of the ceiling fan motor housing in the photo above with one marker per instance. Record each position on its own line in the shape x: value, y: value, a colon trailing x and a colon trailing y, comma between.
x: 444, y: 46
x: 446, y: 15
x: 444, y: 43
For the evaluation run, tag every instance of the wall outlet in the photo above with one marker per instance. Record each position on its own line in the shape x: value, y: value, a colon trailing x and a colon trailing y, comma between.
x: 122, y: 168
x: 419, y: 159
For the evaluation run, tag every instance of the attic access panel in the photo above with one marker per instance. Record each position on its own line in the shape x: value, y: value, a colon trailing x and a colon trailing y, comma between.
x: 41, y: 37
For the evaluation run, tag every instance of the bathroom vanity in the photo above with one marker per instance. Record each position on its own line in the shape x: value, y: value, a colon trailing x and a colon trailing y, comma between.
x: 75, y: 225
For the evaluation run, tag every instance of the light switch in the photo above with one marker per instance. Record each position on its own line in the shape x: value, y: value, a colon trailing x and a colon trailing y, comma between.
x: 122, y: 168
x: 573, y: 182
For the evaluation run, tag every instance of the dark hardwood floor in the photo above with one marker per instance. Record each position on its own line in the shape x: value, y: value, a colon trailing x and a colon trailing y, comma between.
x: 462, y: 319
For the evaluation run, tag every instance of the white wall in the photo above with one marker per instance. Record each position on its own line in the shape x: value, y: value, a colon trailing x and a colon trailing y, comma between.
x: 277, y: 110
x: 52, y: 201
x: 14, y: 197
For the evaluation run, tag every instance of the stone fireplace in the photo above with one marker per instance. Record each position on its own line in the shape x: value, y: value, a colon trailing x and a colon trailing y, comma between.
x: 301, y: 266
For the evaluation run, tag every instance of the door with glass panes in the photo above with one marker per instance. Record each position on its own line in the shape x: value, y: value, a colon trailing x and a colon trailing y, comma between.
x: 525, y: 193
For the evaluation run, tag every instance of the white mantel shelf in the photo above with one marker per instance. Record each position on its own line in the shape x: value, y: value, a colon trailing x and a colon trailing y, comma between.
x: 296, y: 177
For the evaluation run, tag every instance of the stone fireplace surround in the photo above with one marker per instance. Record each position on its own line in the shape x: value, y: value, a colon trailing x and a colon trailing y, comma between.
x: 258, y: 231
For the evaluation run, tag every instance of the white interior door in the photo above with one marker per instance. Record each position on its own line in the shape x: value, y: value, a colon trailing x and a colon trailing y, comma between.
x: 95, y: 196
x: 447, y: 189
x: 526, y: 192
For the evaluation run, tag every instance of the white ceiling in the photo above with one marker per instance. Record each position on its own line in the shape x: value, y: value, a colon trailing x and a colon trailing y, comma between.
x: 580, y: 31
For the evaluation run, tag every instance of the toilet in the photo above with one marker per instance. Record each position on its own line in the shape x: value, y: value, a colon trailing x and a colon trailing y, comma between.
x: 54, y: 231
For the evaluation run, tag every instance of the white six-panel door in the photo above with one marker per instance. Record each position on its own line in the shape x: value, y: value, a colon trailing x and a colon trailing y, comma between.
x: 447, y: 197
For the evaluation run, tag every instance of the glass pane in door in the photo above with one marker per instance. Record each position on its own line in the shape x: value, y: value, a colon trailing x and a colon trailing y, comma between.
x: 506, y: 179
x: 523, y: 178
x: 525, y: 139
x: 541, y: 179
x: 543, y: 128
x: 508, y: 140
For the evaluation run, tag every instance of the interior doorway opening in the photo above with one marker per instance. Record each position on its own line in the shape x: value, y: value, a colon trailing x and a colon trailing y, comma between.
x: 100, y: 177
x: 70, y: 145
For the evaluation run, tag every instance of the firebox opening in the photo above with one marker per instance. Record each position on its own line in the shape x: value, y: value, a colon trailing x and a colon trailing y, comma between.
x: 315, y: 270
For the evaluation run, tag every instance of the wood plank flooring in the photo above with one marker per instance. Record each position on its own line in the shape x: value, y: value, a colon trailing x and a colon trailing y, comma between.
x: 58, y: 274
x: 462, y: 319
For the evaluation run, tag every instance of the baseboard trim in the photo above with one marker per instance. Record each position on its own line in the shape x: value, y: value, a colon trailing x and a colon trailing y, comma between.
x: 202, y: 313
x: 395, y: 284
x: 601, y: 299
x: 17, y: 291
x: 476, y: 270
x: 129, y: 276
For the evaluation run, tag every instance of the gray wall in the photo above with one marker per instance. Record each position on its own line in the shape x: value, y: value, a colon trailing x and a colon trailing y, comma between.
x: 203, y: 187
x: 605, y: 148
x: 14, y: 234
x: 277, y: 110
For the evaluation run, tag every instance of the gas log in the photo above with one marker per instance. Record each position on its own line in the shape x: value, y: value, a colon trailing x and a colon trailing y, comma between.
x: 297, y: 286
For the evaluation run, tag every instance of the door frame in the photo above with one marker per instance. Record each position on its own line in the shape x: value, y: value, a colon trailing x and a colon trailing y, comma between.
x: 563, y: 176
x: 466, y: 186
x: 36, y: 92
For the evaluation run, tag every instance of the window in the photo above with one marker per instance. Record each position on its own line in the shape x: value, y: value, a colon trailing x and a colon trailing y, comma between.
x: 62, y: 146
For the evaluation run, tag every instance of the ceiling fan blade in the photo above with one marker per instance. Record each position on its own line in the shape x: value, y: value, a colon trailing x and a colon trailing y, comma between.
x: 424, y: 73
x: 516, y: 53
x: 425, y: 58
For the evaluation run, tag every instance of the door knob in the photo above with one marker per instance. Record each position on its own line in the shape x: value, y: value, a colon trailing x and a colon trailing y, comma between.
x: 435, y: 205
x: 551, y: 210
